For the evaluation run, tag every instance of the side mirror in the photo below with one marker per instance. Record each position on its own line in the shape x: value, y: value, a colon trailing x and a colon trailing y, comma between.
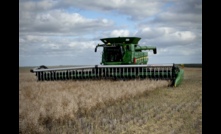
x: 155, y: 51
x: 96, y: 48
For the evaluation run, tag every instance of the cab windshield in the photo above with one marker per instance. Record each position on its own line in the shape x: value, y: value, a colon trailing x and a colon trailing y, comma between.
x: 113, y: 54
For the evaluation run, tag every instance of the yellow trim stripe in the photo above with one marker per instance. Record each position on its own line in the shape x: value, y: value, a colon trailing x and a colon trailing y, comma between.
x: 142, y: 58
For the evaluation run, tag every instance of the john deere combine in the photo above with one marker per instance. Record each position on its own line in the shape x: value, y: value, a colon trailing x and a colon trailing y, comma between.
x: 122, y: 58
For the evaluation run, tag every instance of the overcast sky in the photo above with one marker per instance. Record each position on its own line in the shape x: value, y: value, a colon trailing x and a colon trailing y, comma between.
x: 65, y: 32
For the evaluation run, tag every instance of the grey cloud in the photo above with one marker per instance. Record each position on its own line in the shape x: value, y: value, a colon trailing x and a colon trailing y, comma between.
x: 133, y: 9
x: 180, y: 14
x: 187, y: 7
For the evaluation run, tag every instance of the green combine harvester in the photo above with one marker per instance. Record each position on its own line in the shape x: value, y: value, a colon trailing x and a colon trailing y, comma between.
x: 122, y: 58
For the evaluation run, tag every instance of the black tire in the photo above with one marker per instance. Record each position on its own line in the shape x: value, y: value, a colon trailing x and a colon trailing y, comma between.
x: 43, y: 67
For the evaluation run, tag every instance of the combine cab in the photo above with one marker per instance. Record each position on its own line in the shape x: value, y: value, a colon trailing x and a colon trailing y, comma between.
x: 122, y: 58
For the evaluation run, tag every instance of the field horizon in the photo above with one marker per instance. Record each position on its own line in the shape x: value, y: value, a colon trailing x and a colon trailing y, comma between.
x: 185, y: 64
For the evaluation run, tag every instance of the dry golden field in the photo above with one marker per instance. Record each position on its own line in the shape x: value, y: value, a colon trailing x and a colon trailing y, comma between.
x: 135, y: 106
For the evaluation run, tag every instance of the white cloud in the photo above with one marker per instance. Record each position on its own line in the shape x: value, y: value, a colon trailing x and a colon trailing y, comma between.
x: 185, y: 35
x: 150, y: 33
x: 60, y: 22
x: 121, y: 33
x: 82, y: 45
x: 164, y: 35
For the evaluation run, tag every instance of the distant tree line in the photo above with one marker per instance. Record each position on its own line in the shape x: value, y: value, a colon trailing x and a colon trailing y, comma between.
x: 190, y: 65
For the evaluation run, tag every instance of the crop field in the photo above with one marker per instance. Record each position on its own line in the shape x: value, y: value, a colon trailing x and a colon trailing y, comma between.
x: 103, y: 107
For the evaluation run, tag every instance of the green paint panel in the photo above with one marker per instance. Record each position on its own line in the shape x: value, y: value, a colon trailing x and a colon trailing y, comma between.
x: 179, y: 78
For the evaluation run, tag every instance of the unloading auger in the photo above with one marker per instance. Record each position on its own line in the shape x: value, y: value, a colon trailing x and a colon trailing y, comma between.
x: 122, y: 58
